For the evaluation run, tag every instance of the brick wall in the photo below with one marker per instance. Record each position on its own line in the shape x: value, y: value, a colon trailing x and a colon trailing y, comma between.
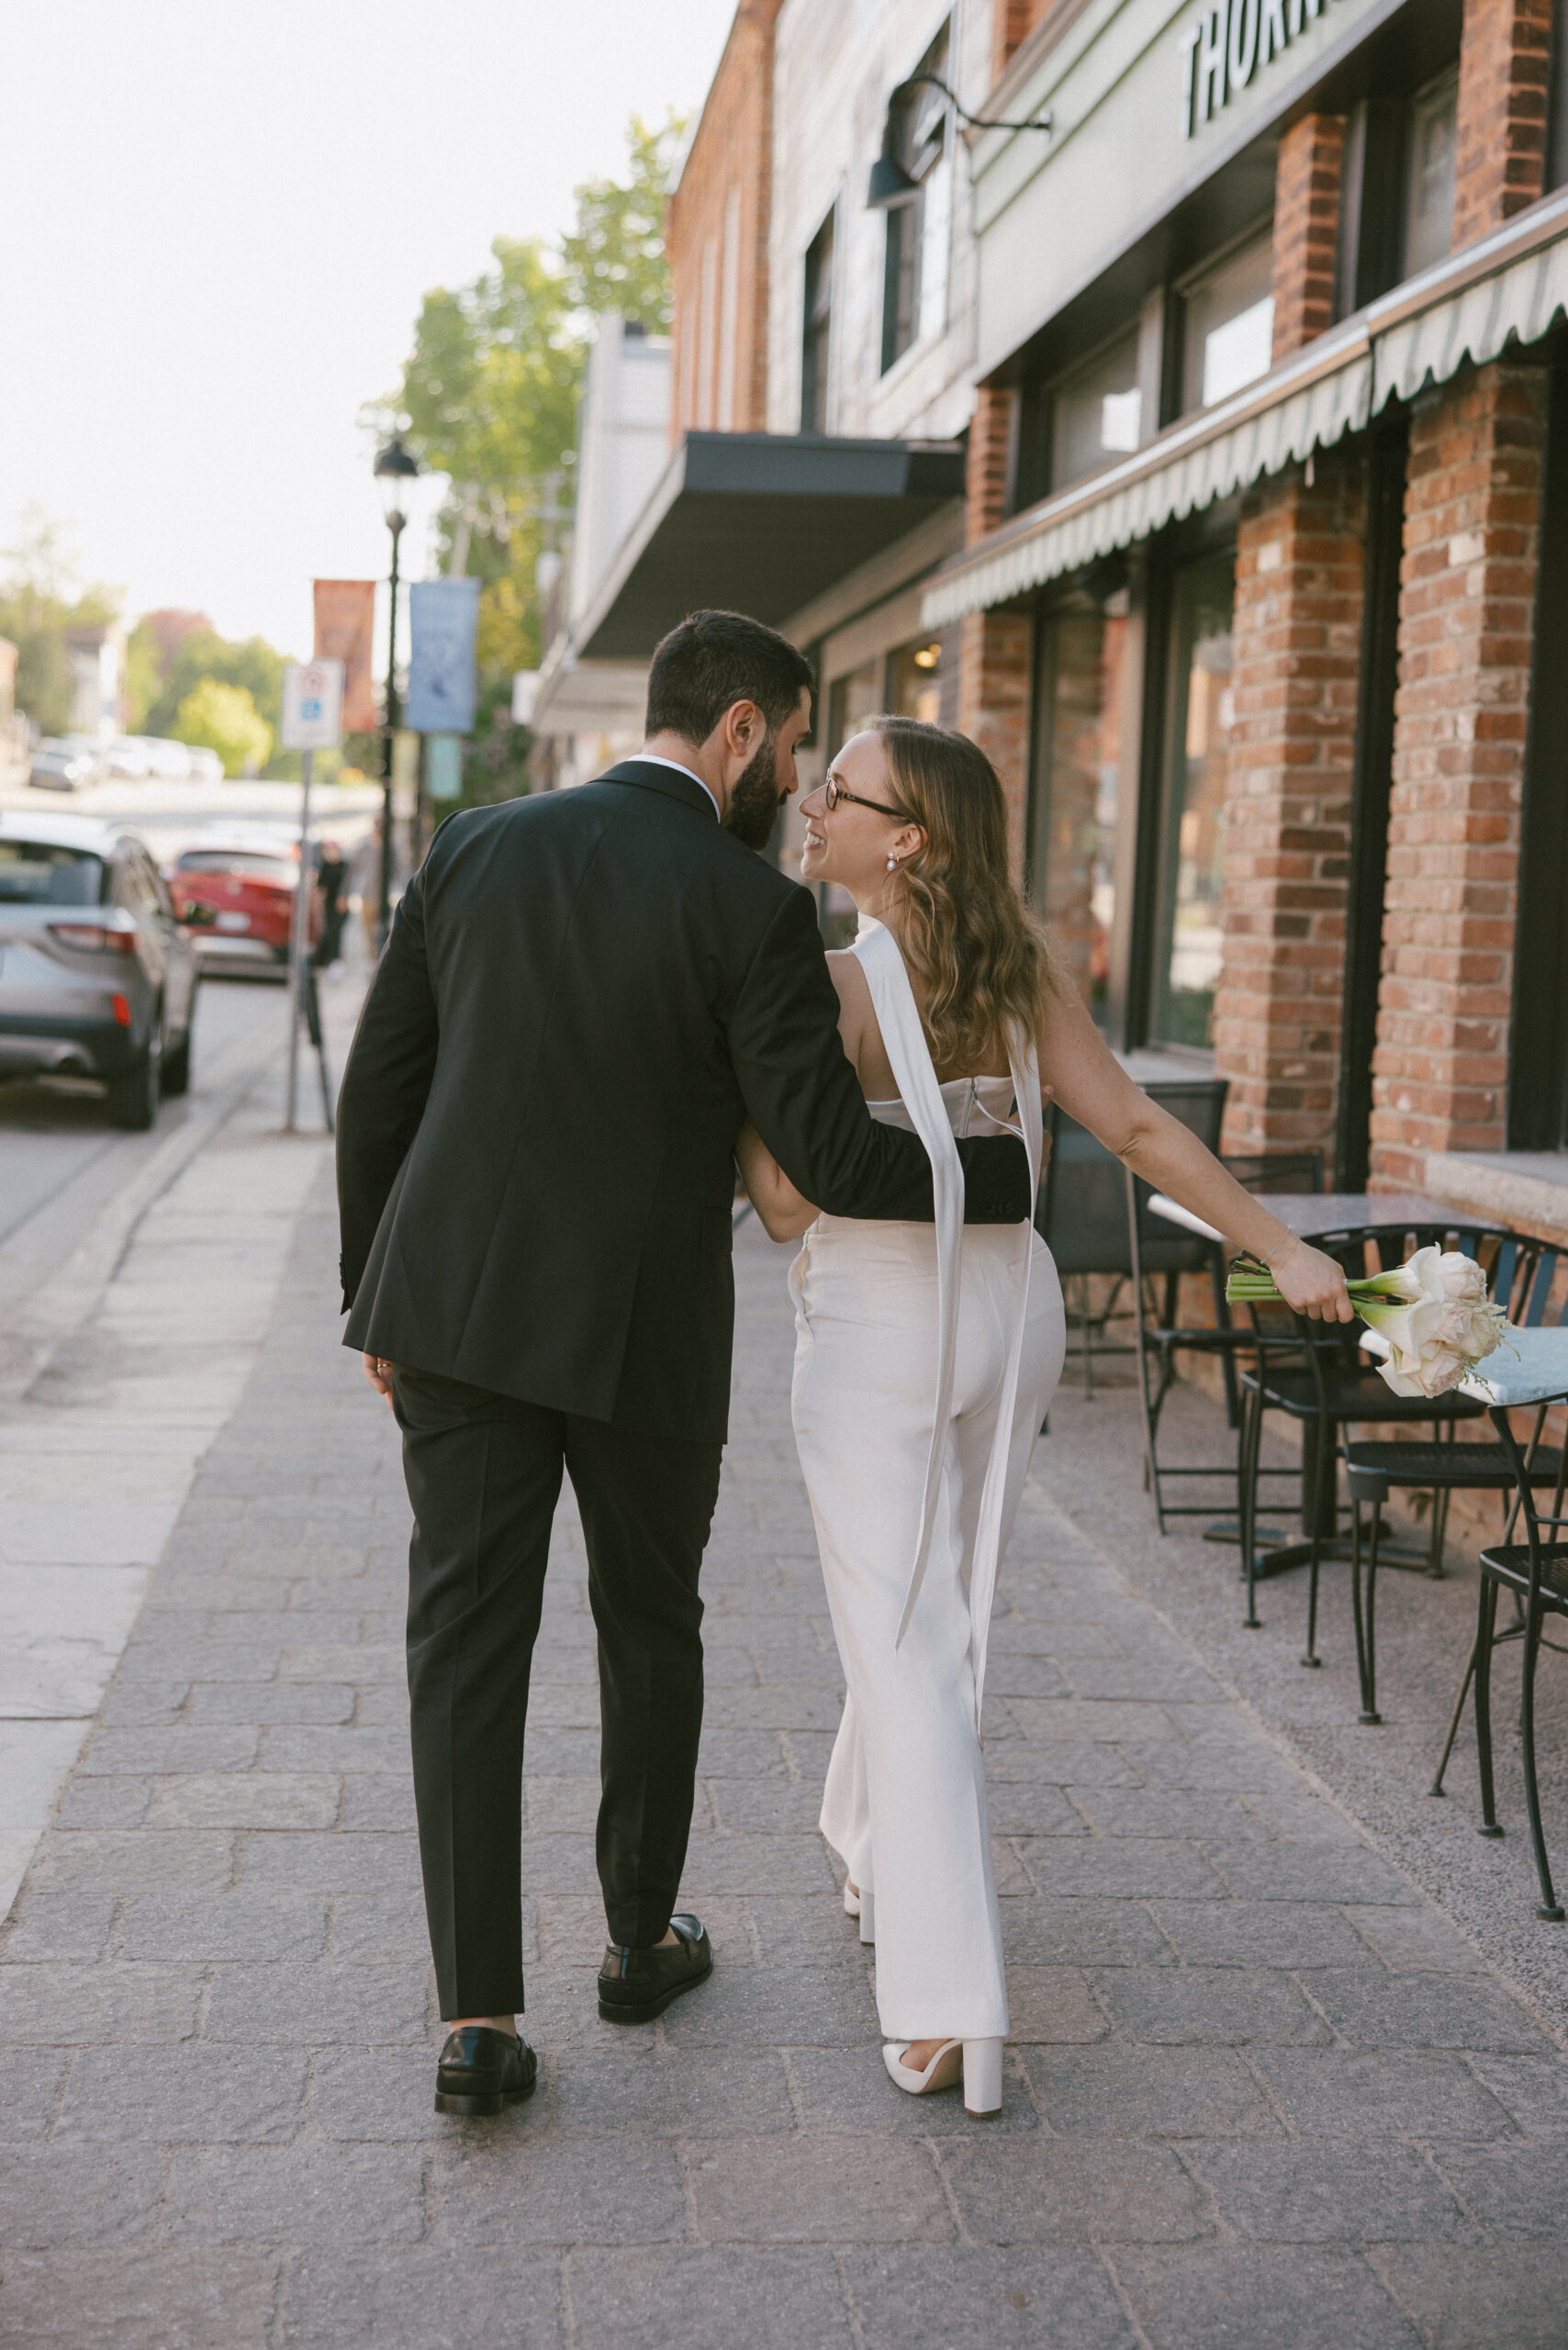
x: 995, y: 649
x: 1012, y: 23
x: 716, y: 237
x: 995, y: 669
x: 1466, y: 607
x: 1298, y: 611
x: 1307, y: 223
x: 1500, y: 157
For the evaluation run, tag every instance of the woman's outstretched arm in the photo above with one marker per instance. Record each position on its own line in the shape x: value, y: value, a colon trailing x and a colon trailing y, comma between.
x: 1089, y: 1082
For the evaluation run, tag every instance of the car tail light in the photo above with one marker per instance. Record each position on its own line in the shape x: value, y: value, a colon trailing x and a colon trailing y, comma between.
x: 121, y: 1010
x: 114, y: 933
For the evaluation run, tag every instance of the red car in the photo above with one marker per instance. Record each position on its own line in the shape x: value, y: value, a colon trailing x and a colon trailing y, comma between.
x: 240, y: 905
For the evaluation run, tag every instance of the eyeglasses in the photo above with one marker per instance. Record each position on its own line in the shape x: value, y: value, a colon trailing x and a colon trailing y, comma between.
x: 833, y: 792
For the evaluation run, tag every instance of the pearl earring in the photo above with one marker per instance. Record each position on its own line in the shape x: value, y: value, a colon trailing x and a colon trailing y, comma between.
x: 893, y: 862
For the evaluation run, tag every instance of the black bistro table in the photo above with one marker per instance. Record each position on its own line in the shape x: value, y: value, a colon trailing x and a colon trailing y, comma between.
x: 1316, y: 1217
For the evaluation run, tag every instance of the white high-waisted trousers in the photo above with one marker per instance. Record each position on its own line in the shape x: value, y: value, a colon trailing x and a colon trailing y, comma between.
x: 905, y: 1799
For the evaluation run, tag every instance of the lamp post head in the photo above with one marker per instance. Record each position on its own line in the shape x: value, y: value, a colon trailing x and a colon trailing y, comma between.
x: 889, y: 184
x: 394, y: 466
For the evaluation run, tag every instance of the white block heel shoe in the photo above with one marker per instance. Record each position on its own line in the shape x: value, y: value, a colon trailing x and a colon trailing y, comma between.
x: 866, y: 1909
x: 979, y: 2061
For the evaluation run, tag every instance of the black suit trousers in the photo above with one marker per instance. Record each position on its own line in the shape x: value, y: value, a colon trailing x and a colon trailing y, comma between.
x: 484, y: 1475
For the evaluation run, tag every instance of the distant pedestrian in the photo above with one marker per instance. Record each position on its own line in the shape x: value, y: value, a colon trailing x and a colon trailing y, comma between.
x: 585, y: 996
x: 332, y: 880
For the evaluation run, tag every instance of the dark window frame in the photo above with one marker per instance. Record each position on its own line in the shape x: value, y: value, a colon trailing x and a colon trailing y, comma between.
x: 816, y: 327
x: 1537, y: 1037
x: 1371, y: 775
x: 902, y: 288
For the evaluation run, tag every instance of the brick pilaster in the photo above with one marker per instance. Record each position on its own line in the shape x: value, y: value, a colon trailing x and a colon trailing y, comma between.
x: 1500, y: 154
x: 1466, y: 613
x: 1299, y: 569
x: 989, y: 463
x: 1306, y: 224
x: 995, y: 669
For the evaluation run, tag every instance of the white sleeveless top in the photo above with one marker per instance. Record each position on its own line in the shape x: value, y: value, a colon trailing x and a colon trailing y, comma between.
x: 935, y: 1113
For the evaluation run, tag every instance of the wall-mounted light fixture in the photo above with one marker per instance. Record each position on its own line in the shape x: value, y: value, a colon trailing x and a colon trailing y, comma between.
x: 890, y: 184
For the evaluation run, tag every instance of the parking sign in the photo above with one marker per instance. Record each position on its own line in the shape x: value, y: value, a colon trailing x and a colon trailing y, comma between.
x: 312, y: 706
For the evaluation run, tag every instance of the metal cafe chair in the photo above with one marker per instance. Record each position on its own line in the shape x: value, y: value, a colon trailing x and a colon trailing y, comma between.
x: 1374, y: 1471
x: 1160, y: 1333
x: 1536, y: 1572
x: 1311, y: 1372
x: 1082, y: 1216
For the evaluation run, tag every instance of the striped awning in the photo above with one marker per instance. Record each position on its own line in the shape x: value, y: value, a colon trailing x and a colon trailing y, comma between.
x: 1511, y: 285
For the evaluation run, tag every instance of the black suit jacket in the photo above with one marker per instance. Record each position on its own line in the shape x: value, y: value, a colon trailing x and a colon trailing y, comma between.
x: 584, y: 995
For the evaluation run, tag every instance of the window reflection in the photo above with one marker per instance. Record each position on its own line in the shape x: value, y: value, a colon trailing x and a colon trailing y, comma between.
x: 1098, y: 413
x: 1079, y: 776
x: 1190, y: 941
x: 1228, y: 325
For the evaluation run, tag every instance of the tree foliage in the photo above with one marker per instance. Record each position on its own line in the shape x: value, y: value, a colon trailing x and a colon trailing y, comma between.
x: 224, y: 719
x: 615, y: 257
x: 40, y: 599
x: 490, y: 390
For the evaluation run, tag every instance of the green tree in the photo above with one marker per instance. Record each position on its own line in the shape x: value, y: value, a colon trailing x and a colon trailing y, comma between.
x: 40, y: 599
x: 490, y: 389
x: 615, y: 257
x: 225, y: 719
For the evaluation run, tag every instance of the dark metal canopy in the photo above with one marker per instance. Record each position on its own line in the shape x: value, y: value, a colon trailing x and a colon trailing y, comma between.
x: 760, y: 523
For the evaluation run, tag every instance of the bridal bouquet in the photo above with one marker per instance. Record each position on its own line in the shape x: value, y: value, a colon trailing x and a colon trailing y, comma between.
x: 1432, y: 1313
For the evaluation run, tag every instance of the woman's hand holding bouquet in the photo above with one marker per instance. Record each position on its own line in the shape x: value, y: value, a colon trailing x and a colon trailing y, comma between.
x: 1432, y: 1313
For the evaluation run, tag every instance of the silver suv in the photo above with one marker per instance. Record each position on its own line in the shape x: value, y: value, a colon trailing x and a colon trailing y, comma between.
x: 98, y: 974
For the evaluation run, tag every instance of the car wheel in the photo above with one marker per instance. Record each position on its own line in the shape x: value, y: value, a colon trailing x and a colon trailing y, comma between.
x: 175, y: 1074
x: 133, y: 1095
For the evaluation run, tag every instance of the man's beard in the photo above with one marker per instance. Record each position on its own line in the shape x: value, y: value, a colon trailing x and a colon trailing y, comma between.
x: 755, y: 800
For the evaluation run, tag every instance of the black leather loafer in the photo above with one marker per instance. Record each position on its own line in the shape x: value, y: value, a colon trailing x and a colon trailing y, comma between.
x: 635, y: 1985
x: 481, y: 2071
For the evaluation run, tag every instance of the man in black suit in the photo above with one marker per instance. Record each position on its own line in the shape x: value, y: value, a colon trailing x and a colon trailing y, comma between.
x: 584, y: 997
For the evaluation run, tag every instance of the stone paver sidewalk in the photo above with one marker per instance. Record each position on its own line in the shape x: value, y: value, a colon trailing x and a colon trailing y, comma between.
x: 1260, y: 2091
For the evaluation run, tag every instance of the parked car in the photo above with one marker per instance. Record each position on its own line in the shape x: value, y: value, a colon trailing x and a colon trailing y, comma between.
x: 126, y: 757
x: 60, y: 766
x: 97, y: 975
x: 238, y: 897
x: 169, y: 762
x: 204, y: 766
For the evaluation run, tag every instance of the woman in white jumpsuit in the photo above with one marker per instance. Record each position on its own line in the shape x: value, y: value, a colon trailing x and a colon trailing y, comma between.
x: 926, y: 1355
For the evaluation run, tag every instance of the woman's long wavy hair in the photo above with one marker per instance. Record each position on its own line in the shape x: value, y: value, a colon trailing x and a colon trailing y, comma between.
x: 979, y: 952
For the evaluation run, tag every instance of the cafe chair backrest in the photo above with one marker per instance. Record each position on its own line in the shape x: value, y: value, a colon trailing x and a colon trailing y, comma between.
x: 1084, y: 1202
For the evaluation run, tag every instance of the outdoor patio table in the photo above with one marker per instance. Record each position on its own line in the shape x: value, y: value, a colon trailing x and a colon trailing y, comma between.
x: 1317, y: 1216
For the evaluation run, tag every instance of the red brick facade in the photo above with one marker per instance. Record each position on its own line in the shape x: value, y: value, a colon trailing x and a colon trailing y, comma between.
x: 1500, y: 154
x: 1298, y: 608
x: 1466, y: 603
x: 716, y: 237
x: 1307, y: 223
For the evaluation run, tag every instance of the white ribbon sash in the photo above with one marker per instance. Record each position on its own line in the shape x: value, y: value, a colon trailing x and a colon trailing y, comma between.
x: 903, y: 1038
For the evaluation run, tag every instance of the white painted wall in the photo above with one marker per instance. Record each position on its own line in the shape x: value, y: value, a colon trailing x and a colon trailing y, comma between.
x: 836, y: 63
x: 623, y: 448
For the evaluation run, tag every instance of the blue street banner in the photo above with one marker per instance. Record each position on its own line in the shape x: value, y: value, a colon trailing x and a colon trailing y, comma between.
x: 442, y: 616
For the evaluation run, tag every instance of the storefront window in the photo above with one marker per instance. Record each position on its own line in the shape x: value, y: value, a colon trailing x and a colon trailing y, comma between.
x: 1097, y: 413
x: 923, y: 679
x: 1189, y: 940
x: 1228, y: 325
x: 1072, y: 839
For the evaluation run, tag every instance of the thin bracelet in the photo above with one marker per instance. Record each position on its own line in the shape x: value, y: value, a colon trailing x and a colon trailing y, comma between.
x: 1275, y: 1251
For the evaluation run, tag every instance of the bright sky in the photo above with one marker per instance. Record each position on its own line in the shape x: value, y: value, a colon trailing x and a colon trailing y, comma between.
x: 219, y: 221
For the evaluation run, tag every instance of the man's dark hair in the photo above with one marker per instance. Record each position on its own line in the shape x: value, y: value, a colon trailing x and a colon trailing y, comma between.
x: 715, y: 659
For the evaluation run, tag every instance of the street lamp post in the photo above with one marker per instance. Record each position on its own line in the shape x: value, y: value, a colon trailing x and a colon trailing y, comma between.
x: 395, y: 468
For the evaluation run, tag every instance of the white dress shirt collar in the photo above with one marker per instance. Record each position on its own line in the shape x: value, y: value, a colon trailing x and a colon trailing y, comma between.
x: 653, y: 760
